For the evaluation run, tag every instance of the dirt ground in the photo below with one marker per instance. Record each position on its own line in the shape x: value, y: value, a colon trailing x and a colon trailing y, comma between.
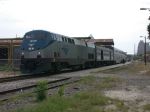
x: 134, y: 87
x: 8, y: 74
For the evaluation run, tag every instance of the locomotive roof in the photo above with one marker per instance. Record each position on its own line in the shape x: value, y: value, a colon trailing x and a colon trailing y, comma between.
x: 102, y: 41
x: 118, y: 50
x: 97, y: 41
x: 37, y: 31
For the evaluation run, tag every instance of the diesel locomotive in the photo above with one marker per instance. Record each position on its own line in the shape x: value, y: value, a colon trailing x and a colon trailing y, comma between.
x: 43, y: 51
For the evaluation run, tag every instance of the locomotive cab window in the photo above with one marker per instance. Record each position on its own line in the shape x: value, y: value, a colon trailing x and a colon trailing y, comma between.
x: 70, y: 41
x: 73, y: 41
x: 102, y: 55
x: 63, y: 39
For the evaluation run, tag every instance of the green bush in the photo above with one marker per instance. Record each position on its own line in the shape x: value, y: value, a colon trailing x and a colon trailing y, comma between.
x: 61, y: 91
x: 41, y: 90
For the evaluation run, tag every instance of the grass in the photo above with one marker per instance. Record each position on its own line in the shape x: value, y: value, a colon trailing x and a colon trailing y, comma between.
x: 91, y: 100
x: 6, y: 68
x: 133, y: 68
x: 18, y: 97
x: 87, y: 101
x: 146, y: 107
x: 120, y: 105
x: 94, y: 98
x: 40, y: 93
x: 53, y: 104
x: 101, y: 83
x: 81, y: 102
x: 9, y: 69
x: 107, y: 82
x: 124, y: 69
x: 88, y: 80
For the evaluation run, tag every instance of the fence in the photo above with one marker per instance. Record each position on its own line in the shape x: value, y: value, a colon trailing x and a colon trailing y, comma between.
x: 9, y: 67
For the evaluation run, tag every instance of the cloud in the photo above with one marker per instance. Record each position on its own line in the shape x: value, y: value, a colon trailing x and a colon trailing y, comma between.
x: 146, y: 2
x: 118, y: 19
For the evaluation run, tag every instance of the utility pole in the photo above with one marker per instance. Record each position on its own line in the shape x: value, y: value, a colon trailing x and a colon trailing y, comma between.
x: 145, y: 61
x: 145, y: 38
x: 145, y: 52
x: 134, y: 50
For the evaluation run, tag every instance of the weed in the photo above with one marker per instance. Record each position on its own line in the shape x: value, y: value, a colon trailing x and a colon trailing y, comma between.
x: 41, y: 90
x: 94, y: 98
x: 120, y: 105
x: 52, y: 104
x: 110, y: 79
x: 80, y: 102
x: 88, y: 79
x: 107, y: 82
x: 17, y: 97
x: 61, y: 91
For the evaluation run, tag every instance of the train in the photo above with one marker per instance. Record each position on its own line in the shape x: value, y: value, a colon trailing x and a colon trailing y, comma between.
x: 44, y: 51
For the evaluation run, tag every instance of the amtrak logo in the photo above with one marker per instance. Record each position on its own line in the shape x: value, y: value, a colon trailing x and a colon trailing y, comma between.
x: 65, y: 50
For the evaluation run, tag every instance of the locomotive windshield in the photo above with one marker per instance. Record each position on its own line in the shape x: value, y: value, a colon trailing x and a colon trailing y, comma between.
x: 36, y: 40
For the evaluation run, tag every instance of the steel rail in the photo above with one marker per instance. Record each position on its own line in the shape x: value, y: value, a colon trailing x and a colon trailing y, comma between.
x: 30, y: 86
x: 21, y: 77
x: 51, y: 85
x: 29, y: 76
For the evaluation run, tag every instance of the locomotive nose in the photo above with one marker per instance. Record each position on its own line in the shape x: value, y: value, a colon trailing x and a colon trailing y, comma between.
x: 31, y: 66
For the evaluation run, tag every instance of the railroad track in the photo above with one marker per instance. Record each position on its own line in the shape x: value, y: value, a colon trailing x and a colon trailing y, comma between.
x: 29, y: 76
x: 21, y: 77
x: 51, y: 85
x: 4, y: 94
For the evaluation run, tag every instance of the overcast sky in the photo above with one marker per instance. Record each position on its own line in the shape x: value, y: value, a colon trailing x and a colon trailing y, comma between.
x: 121, y: 20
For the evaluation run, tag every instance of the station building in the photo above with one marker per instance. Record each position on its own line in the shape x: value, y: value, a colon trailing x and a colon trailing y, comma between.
x: 10, y: 51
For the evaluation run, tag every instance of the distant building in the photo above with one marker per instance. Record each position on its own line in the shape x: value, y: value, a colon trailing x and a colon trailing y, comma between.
x: 10, y: 51
x: 141, y: 45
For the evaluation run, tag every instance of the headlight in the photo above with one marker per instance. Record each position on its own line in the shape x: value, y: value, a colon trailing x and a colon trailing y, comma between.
x: 22, y: 53
x: 29, y: 48
x: 39, y: 53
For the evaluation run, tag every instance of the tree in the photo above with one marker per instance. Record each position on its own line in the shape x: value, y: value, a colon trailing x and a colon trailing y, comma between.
x: 148, y: 29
